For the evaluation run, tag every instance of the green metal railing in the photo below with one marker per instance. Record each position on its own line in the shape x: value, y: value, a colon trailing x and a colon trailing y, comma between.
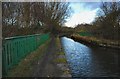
x: 16, y: 48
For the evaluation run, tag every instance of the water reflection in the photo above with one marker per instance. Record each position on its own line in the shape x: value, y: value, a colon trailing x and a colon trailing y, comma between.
x: 90, y: 62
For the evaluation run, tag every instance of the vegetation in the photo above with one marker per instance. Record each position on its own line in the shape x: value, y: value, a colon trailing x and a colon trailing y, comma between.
x: 23, y: 18
x: 25, y: 67
x: 61, y: 53
x: 95, y: 41
x: 39, y: 17
x: 107, y: 23
x: 61, y: 60
x: 33, y: 17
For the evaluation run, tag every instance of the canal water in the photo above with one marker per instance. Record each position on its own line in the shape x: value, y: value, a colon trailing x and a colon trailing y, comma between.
x: 90, y: 61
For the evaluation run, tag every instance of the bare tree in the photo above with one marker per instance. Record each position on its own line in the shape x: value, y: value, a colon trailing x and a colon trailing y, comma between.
x: 108, y: 22
x: 34, y: 15
x: 55, y: 14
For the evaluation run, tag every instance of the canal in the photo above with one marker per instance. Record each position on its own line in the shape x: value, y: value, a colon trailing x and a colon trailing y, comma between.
x: 90, y: 61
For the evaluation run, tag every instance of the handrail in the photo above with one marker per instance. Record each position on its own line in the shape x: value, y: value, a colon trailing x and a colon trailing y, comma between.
x: 14, y: 49
x: 16, y: 37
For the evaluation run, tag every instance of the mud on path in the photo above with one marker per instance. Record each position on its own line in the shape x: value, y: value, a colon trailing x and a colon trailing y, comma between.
x: 46, y: 66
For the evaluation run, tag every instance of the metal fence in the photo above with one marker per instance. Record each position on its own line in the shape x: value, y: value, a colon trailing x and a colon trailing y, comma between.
x: 16, y: 48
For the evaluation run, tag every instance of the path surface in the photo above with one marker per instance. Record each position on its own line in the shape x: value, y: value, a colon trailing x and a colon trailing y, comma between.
x: 46, y: 66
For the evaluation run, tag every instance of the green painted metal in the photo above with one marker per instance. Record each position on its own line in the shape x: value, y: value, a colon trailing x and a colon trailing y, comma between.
x: 17, y: 48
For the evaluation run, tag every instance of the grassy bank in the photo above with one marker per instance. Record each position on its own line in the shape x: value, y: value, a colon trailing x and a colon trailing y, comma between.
x: 25, y: 67
x: 61, y: 60
x: 96, y: 41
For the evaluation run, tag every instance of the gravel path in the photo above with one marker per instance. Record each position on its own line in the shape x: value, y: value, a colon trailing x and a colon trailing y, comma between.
x: 46, y: 66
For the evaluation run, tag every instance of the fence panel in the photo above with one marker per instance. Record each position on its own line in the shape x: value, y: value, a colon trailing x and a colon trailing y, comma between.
x: 17, y: 48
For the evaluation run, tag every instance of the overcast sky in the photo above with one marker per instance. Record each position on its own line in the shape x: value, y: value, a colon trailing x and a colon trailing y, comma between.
x: 83, y: 12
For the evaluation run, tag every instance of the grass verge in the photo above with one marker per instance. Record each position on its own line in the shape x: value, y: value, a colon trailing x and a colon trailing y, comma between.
x: 24, y: 68
x: 60, y: 60
x: 97, y: 41
x: 60, y: 53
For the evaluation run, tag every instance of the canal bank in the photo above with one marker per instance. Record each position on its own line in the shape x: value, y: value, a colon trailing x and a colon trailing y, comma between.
x: 47, y: 61
x: 91, y: 61
x: 89, y: 40
x: 61, y: 59
x: 53, y: 63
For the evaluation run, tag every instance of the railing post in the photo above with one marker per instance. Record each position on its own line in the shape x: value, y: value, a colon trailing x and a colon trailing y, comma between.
x: 16, y: 48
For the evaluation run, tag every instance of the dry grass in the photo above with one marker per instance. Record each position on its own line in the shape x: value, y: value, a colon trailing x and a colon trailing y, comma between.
x: 97, y: 40
x: 60, y: 53
x: 60, y: 60
x: 58, y: 43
